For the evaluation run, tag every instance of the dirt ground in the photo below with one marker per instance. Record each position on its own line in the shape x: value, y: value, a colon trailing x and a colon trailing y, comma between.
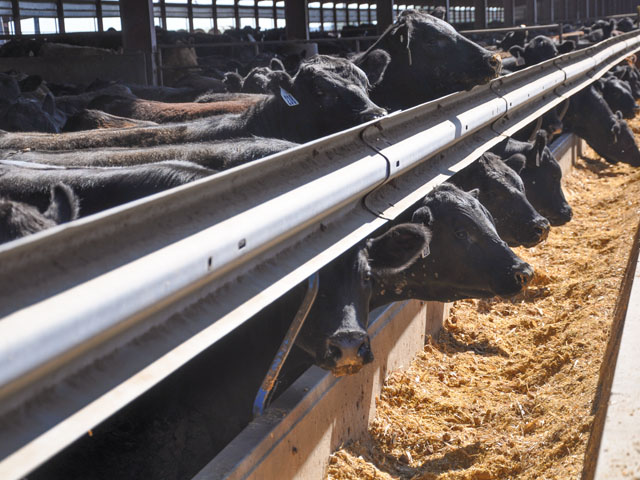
x: 506, y: 391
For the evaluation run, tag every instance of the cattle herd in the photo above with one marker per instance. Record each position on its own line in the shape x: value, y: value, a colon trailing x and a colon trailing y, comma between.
x: 69, y: 151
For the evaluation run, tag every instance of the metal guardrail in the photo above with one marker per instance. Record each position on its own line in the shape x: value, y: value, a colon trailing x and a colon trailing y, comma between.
x: 98, y: 311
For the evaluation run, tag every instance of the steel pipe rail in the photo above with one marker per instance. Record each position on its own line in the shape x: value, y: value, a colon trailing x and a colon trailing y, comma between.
x: 98, y: 311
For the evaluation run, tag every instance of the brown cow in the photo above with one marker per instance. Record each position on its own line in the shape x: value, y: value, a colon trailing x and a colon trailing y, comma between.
x: 161, y: 112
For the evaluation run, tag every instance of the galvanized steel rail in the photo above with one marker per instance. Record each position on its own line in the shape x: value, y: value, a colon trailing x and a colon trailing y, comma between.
x: 96, y: 312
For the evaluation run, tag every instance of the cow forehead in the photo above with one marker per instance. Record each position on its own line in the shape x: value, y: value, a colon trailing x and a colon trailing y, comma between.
x: 422, y: 22
x: 336, y: 70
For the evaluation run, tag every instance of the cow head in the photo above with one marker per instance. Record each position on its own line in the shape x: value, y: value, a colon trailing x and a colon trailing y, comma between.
x: 503, y: 194
x: 327, y: 94
x: 32, y: 115
x: 467, y: 258
x: 19, y: 219
x: 431, y: 59
x: 618, y: 95
x: 335, y: 333
x: 541, y: 48
x: 542, y: 178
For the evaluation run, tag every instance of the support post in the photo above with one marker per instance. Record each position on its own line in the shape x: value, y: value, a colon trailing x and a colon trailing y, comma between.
x: 531, y: 13
x: 60, y: 14
x: 139, y: 34
x: 480, y: 13
x: 509, y: 13
x: 385, y: 14
x: 296, y: 19
x: 15, y: 12
x: 99, y: 15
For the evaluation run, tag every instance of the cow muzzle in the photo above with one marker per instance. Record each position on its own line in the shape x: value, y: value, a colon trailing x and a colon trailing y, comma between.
x: 371, y: 114
x: 348, y: 352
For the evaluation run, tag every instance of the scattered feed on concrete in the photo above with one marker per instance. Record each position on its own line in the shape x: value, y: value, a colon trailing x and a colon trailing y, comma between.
x: 507, y: 389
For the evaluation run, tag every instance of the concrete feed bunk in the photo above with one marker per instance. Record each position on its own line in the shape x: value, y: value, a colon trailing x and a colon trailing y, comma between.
x: 510, y: 388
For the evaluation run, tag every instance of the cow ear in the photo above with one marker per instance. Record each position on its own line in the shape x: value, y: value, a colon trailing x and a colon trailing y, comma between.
x: 30, y: 83
x: 64, y: 205
x: 540, y: 145
x: 599, y: 84
x: 516, y: 51
x: 619, y: 115
x: 49, y: 104
x: 374, y: 64
x: 399, y: 247
x: 276, y: 65
x: 232, y: 82
x: 566, y: 46
x: 475, y: 193
x: 279, y: 80
x: 516, y: 162
x: 423, y: 216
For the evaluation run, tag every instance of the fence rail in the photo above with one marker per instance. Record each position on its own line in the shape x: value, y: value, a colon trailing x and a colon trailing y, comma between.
x: 98, y: 311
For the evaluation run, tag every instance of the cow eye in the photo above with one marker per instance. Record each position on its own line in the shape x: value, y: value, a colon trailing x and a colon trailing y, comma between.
x: 367, y: 275
x: 461, y: 234
x: 319, y: 92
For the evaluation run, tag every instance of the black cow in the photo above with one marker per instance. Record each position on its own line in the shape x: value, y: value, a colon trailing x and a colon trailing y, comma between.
x: 539, y: 49
x: 335, y: 334
x: 631, y: 75
x: 502, y: 193
x: 181, y: 432
x: 429, y: 59
x: 542, y: 177
x: 220, y: 155
x: 618, y: 95
x: 551, y: 122
x: 514, y: 37
x: 18, y: 219
x: 590, y: 118
x: 96, y: 188
x: 325, y: 96
x: 467, y: 258
x: 625, y: 25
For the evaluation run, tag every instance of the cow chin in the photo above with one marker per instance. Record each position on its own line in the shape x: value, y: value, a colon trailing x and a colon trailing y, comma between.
x: 345, y: 370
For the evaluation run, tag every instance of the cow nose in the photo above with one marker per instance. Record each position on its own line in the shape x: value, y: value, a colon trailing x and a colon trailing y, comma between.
x: 372, y: 113
x: 349, y: 352
x: 541, y: 228
x: 495, y: 62
x: 523, y: 274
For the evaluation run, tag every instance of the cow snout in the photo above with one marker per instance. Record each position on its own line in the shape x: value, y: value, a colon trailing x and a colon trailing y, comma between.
x: 523, y: 274
x: 563, y: 216
x: 371, y: 114
x: 495, y: 62
x: 349, y: 352
x: 541, y: 228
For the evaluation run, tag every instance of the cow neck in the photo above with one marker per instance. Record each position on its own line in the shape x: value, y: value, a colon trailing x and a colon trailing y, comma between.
x: 271, y: 117
x: 398, y: 88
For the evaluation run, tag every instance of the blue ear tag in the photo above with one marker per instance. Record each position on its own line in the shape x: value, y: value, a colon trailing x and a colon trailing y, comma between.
x: 288, y: 98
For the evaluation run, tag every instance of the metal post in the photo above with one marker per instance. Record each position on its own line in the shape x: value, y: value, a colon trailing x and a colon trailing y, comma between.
x: 447, y: 7
x: 296, y: 19
x: 139, y: 33
x: 509, y: 13
x: 60, y: 14
x: 236, y: 13
x: 266, y: 388
x: 275, y: 14
x: 214, y: 12
x: 531, y: 13
x: 190, y: 15
x: 163, y: 14
x: 99, y: 15
x: 385, y: 14
x: 480, y: 13
x: 15, y: 12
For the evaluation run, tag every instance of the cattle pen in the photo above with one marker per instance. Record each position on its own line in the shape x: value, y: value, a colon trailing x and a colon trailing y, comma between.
x: 124, y: 303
